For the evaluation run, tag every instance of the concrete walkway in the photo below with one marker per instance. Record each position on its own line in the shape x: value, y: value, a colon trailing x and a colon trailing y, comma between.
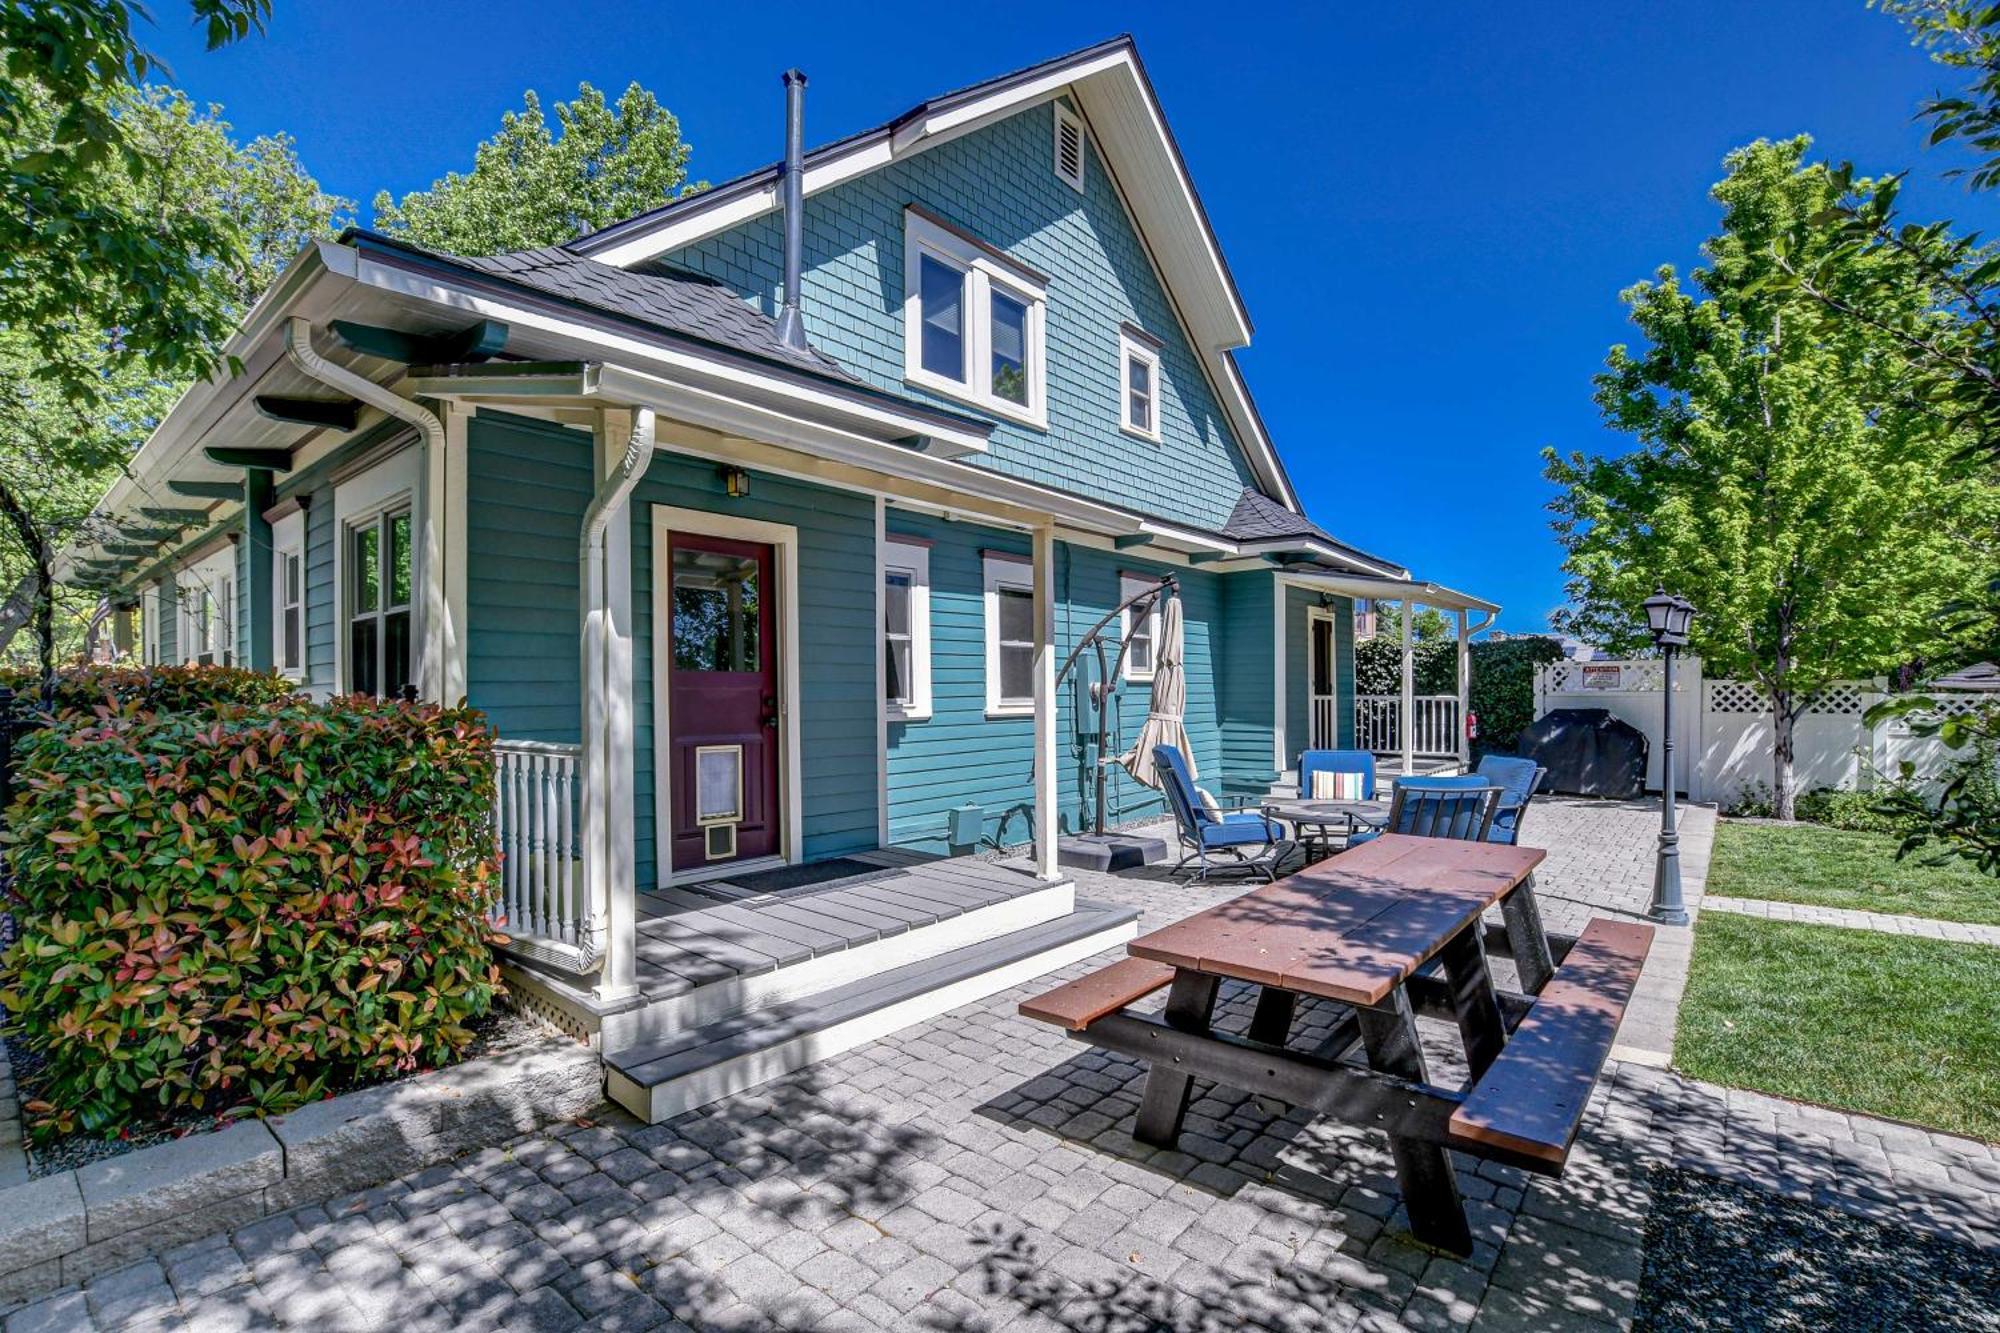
x: 976, y: 1174
x: 1881, y: 922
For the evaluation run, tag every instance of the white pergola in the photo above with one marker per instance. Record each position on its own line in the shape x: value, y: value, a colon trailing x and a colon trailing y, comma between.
x: 1409, y: 594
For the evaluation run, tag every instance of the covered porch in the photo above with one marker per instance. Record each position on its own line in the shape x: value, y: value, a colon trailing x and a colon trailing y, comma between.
x: 1415, y: 733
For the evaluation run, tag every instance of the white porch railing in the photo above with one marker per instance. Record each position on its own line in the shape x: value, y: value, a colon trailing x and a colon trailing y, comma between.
x: 543, y: 894
x: 1325, y: 717
x: 1377, y: 724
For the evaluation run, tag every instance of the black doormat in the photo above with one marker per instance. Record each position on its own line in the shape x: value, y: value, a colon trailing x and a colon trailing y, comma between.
x: 1723, y: 1256
x: 796, y: 877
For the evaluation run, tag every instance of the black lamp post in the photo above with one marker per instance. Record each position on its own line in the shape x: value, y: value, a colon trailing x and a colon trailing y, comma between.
x: 1667, y: 617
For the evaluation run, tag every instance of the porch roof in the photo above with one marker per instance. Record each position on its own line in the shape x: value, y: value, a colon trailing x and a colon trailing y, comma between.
x: 1392, y: 590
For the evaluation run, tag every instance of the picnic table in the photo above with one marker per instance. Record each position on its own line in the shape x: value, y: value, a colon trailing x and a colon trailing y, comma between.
x: 1392, y: 930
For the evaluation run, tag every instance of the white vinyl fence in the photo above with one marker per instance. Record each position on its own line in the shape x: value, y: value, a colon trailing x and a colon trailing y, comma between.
x: 1723, y: 728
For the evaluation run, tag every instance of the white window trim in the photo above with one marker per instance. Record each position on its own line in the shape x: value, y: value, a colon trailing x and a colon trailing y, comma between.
x: 1016, y: 573
x: 288, y: 538
x: 983, y: 273
x: 1131, y: 585
x: 390, y: 484
x: 1131, y: 349
x: 913, y: 559
x: 1067, y: 118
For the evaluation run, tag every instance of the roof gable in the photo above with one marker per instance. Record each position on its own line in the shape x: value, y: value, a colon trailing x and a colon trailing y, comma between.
x: 1107, y: 83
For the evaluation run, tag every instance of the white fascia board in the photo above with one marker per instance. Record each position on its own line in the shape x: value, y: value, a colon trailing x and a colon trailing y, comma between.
x: 1359, y: 564
x: 802, y: 393
x: 703, y: 406
x: 947, y: 123
x: 1424, y: 594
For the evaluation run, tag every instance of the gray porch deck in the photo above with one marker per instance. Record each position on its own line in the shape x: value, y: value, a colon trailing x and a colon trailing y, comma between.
x: 698, y: 934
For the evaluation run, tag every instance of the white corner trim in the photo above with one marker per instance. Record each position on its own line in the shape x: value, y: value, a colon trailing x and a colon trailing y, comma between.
x: 784, y: 542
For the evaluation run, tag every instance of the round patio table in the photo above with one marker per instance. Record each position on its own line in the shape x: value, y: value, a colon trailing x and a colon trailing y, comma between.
x: 1333, y: 819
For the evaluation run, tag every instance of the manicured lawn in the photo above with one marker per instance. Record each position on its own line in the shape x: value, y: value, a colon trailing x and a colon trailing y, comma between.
x: 1827, y: 867
x: 1889, y: 1025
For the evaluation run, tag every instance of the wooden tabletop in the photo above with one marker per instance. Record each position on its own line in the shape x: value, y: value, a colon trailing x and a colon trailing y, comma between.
x: 1350, y: 928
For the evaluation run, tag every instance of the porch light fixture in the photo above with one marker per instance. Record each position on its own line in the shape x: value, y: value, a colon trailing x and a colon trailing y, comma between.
x: 735, y: 481
x: 1668, y: 617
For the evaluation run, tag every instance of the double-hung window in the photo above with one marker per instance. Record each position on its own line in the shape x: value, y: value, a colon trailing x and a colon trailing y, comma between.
x: 973, y: 322
x: 1140, y: 626
x: 1010, y: 637
x: 288, y: 594
x: 206, y: 598
x: 1139, y: 384
x: 380, y: 577
x: 906, y: 629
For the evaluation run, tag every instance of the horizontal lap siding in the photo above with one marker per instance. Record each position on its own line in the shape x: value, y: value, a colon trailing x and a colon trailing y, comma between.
x: 998, y: 184
x: 1247, y: 679
x: 527, y: 486
x: 839, y: 696
x: 960, y: 756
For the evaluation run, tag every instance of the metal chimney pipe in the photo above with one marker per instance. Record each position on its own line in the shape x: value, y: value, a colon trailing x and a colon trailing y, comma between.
x: 791, y: 323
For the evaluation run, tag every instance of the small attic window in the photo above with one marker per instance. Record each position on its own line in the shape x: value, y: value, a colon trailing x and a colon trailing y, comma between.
x: 1069, y: 148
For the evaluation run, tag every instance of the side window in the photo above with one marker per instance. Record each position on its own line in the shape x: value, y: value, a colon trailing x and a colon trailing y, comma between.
x: 906, y: 629
x: 288, y: 594
x: 1139, y: 384
x: 1140, y: 627
x: 379, y: 583
x: 1010, y: 637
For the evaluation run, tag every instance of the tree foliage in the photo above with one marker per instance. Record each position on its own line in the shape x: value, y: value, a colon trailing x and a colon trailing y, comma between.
x: 57, y: 457
x: 101, y: 259
x: 1791, y: 477
x: 530, y: 187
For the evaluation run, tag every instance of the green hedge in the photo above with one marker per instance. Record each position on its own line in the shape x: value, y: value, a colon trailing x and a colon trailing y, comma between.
x: 242, y: 910
x: 170, y: 689
x: 1503, y: 689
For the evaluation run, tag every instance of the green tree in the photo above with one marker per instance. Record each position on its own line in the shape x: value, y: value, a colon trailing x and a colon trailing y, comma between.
x: 528, y: 187
x: 1819, y: 514
x: 91, y: 262
x: 56, y: 461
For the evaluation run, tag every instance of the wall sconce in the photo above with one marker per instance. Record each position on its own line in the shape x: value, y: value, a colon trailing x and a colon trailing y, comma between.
x: 735, y: 481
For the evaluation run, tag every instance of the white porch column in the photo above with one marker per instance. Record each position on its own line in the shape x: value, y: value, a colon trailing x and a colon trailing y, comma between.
x: 1045, y: 702
x: 608, y: 738
x: 1464, y: 687
x: 1406, y: 722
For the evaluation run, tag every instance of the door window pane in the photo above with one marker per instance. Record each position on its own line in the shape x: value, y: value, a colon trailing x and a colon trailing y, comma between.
x: 715, y: 609
x: 718, y: 783
x: 942, y: 295
x: 1010, y: 349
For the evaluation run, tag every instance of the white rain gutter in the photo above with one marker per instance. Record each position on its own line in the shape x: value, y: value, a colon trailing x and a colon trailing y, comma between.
x: 600, y: 722
x: 298, y: 346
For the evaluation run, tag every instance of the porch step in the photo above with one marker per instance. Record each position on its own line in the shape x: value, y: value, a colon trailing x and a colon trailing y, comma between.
x: 658, y: 1080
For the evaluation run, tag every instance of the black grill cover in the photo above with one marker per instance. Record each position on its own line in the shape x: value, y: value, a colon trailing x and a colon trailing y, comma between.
x: 1589, y: 752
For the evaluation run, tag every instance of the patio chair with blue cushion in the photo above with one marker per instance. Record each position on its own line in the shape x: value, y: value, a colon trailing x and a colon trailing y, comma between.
x: 1456, y: 807
x: 1250, y: 841
x: 1337, y: 761
x: 1518, y: 780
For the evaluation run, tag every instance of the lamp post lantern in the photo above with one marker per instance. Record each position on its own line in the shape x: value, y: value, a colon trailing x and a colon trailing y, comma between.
x: 1668, y: 617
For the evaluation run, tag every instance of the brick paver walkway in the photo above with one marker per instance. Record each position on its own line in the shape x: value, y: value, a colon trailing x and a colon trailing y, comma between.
x: 1883, y: 922
x: 976, y: 1173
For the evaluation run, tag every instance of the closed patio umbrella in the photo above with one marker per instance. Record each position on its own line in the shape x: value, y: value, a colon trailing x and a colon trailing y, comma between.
x: 1163, y: 717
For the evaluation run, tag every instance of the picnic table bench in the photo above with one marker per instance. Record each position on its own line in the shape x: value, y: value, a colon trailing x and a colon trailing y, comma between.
x: 1391, y: 930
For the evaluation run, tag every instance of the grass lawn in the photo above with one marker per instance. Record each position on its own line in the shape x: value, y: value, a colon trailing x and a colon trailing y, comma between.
x: 1828, y: 867
x: 1889, y: 1025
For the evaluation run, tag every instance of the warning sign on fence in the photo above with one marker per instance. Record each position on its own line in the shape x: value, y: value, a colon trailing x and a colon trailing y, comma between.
x: 1605, y: 677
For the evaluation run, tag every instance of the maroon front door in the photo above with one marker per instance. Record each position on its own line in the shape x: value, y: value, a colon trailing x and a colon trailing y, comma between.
x: 722, y: 701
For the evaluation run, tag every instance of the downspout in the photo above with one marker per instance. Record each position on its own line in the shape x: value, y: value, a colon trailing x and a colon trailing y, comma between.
x: 298, y: 346
x: 611, y: 925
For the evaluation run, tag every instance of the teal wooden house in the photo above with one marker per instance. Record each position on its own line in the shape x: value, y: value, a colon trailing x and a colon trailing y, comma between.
x: 758, y: 524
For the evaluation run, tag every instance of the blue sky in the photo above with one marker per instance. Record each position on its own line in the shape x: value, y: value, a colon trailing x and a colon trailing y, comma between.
x: 1430, y: 209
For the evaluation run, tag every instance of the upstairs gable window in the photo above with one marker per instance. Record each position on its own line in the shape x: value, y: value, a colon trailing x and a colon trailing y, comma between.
x: 1139, y: 384
x: 973, y: 322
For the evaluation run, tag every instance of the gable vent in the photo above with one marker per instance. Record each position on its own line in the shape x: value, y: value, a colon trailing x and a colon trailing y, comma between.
x: 1069, y: 148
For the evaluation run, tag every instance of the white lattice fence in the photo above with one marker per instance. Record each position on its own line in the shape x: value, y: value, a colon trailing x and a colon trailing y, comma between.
x: 1724, y: 728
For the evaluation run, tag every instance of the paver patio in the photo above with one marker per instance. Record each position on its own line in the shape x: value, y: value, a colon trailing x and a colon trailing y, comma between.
x: 976, y: 1173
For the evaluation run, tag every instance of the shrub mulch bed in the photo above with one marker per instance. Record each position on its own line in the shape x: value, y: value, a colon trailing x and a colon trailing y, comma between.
x: 500, y: 1030
x: 1723, y: 1256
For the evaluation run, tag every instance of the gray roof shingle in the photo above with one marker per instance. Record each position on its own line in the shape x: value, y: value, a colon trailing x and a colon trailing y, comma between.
x: 1259, y: 518
x: 678, y: 302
